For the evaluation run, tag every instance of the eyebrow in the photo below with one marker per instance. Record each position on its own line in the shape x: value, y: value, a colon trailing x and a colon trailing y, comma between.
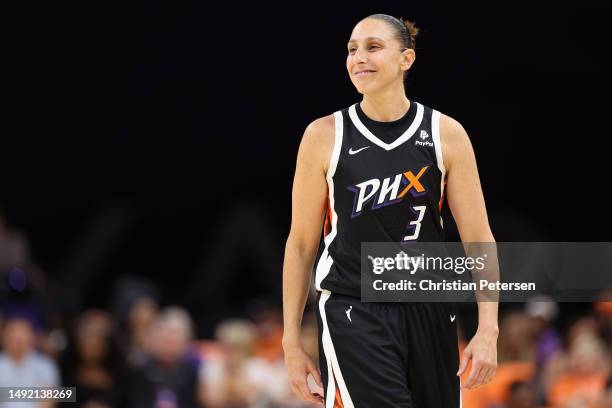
x: 369, y: 38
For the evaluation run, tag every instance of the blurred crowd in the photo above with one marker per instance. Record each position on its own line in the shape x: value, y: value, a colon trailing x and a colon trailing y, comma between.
x: 152, y: 361
x: 147, y: 354
x: 547, y: 360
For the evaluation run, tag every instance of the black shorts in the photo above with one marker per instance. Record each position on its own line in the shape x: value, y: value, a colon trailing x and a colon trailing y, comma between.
x: 387, y: 355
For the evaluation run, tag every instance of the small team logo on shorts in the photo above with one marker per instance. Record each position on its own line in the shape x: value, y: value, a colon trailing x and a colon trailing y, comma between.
x: 348, y: 313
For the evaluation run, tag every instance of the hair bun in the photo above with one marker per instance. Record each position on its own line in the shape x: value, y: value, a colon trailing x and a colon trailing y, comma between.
x: 411, y: 28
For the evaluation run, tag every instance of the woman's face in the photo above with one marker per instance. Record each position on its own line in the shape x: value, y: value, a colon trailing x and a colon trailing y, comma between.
x: 375, y: 60
x: 92, y: 338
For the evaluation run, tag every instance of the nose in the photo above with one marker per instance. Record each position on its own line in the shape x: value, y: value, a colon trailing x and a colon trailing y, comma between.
x: 359, y: 56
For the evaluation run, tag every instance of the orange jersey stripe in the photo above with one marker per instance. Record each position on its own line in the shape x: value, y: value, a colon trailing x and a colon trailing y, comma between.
x: 328, y: 220
x: 442, y: 198
x: 338, y: 399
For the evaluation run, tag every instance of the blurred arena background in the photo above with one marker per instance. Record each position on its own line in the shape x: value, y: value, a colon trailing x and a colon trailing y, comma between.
x: 146, y: 175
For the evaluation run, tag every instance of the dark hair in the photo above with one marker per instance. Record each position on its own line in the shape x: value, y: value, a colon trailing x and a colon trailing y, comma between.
x: 405, y: 31
x: 114, y: 360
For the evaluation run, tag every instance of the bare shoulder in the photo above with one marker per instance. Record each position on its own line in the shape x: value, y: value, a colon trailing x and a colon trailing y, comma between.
x: 451, y: 129
x: 318, y: 140
x: 454, y: 139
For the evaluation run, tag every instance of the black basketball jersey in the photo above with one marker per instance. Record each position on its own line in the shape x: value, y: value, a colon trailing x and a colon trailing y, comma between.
x: 386, y: 184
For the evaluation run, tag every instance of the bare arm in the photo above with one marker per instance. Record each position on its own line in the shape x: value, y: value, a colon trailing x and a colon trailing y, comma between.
x: 309, y: 198
x: 466, y: 202
x: 465, y: 198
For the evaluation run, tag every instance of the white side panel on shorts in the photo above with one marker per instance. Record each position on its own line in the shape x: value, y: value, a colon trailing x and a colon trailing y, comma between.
x: 331, y: 385
x: 333, y: 367
x: 325, y: 261
x: 435, y: 129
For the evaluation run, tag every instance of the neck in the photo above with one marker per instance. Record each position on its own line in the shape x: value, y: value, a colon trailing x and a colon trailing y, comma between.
x: 385, y: 107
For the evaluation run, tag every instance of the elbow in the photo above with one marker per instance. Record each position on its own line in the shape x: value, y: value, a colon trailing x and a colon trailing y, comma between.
x: 480, y: 235
x: 300, y: 246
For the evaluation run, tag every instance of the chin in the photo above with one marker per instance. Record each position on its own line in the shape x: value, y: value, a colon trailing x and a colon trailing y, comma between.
x: 366, y: 89
x: 360, y: 89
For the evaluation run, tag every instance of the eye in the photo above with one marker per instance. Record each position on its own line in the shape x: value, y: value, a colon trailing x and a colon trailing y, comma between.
x: 352, y: 50
x: 374, y: 46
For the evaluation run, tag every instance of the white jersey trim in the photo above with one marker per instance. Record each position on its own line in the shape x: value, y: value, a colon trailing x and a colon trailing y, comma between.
x: 387, y: 146
x: 435, y: 130
x: 326, y: 261
x: 333, y: 367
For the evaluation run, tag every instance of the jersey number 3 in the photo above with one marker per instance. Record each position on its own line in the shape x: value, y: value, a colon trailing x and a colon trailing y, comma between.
x: 415, y: 225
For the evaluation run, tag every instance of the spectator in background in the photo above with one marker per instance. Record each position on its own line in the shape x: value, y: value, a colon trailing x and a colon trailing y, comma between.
x: 522, y: 394
x: 94, y: 362
x: 516, y: 354
x: 141, y: 315
x: 21, y: 365
x: 168, y: 378
x: 543, y: 310
x: 249, y: 372
x: 265, y: 370
x: 224, y: 382
x: 519, y: 340
x: 579, y: 375
x: 25, y: 290
x: 603, y: 314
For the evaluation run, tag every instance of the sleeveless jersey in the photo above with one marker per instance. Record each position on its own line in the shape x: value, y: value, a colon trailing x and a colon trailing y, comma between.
x: 386, y: 184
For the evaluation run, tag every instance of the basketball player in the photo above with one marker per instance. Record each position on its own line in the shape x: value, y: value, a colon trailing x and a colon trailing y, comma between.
x: 381, y: 354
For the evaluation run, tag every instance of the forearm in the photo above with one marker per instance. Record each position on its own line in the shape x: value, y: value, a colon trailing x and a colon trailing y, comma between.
x: 485, y: 248
x: 297, y: 268
x: 487, y: 316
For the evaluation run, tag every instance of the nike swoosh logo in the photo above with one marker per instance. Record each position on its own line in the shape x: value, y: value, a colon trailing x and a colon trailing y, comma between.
x: 452, y: 317
x: 351, y: 151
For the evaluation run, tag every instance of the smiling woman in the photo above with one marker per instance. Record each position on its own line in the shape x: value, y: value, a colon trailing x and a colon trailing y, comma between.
x: 378, y: 171
x: 405, y: 35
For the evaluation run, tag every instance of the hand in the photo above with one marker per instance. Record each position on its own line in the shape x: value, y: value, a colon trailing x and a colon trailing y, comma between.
x: 482, y: 350
x: 299, y: 365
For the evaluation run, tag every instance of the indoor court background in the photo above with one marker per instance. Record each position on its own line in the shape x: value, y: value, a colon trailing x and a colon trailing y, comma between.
x: 147, y: 165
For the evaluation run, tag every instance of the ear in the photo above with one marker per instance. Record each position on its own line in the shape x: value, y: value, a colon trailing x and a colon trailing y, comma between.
x: 408, y: 57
